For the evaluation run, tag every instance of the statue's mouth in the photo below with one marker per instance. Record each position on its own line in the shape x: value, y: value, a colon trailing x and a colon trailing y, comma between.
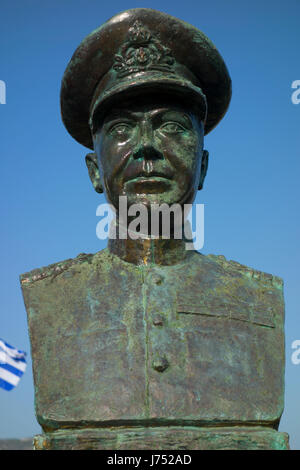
x: 148, y: 184
x: 147, y: 173
x: 152, y: 176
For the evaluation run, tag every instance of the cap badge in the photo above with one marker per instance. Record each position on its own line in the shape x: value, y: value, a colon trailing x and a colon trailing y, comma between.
x: 142, y: 51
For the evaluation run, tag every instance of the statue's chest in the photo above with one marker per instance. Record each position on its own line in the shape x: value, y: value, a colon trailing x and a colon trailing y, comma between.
x: 154, y: 344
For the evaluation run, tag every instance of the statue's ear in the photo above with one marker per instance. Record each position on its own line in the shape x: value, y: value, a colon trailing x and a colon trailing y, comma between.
x: 204, y: 166
x: 92, y: 164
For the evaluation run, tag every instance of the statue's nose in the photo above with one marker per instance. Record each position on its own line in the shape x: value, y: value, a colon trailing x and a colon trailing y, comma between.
x: 146, y: 148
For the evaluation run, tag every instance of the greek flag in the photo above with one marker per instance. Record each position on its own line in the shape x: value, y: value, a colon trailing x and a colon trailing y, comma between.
x: 12, y: 365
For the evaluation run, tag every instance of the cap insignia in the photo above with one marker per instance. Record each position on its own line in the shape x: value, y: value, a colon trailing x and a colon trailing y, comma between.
x: 142, y: 51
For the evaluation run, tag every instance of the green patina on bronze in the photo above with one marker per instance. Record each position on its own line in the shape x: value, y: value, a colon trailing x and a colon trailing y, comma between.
x: 171, y: 438
x: 146, y: 344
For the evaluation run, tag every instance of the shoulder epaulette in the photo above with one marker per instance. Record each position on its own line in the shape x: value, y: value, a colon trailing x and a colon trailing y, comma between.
x: 54, y: 269
x: 248, y: 271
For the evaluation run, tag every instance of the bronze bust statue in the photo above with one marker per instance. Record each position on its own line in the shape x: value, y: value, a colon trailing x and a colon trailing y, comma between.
x: 147, y: 345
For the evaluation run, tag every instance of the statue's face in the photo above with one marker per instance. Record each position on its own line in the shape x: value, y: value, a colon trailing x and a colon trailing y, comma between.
x: 151, y: 153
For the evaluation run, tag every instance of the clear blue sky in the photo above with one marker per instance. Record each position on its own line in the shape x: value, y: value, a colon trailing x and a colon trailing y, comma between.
x: 251, y: 194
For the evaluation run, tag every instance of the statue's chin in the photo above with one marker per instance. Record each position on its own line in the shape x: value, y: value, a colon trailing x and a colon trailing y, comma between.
x: 151, y: 193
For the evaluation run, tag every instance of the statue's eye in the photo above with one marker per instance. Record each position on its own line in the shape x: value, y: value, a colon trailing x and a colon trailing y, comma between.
x: 172, y: 128
x: 121, y: 128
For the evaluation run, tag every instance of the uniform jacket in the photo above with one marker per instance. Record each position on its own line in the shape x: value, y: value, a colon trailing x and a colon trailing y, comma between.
x: 197, y: 342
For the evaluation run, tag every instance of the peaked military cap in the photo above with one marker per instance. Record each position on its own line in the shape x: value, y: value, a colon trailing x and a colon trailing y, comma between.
x: 142, y: 50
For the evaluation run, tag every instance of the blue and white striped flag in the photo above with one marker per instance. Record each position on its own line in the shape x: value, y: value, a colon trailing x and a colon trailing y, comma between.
x: 12, y: 365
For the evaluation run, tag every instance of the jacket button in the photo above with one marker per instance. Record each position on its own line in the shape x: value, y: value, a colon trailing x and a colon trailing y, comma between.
x: 158, y: 320
x: 160, y: 364
x: 157, y: 279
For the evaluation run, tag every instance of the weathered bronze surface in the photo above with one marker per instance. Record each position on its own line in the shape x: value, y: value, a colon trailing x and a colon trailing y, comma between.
x: 145, y: 344
x: 164, y: 437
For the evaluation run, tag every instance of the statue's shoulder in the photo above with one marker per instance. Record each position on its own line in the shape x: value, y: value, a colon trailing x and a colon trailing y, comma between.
x: 82, y: 261
x: 228, y: 288
x: 232, y: 268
